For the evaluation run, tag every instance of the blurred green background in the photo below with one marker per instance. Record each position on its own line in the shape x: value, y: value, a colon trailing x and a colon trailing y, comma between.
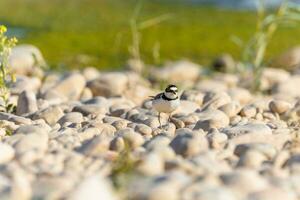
x: 77, y: 33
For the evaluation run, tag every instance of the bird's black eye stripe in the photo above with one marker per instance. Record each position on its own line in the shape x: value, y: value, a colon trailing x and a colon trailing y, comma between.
x: 168, y: 90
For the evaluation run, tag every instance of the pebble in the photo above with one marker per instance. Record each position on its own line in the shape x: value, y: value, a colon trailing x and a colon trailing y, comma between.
x: 117, y: 144
x: 224, y: 63
x: 189, y: 119
x: 88, y: 133
x: 193, y: 95
x: 287, y: 89
x: 153, y: 122
x: 65, y: 89
x: 90, y: 109
x: 119, y: 124
x: 14, y: 118
x: 248, y: 128
x: 93, y: 188
x: 131, y: 138
x: 159, y: 187
x: 211, y: 119
x: 151, y: 164
x: 105, y: 129
x: 27, y: 103
x: 166, y: 152
x: 20, y: 187
x: 109, y: 84
x: 72, y: 117
x: 248, y: 111
x: 95, y: 146
x: 267, y: 150
x: 26, y: 59
x: 230, y: 109
x: 188, y: 144
x: 90, y: 73
x: 186, y: 107
x: 208, y: 85
x: 34, y: 141
x: 178, y: 123
x: 143, y: 129
x: 24, y: 83
x: 209, y: 192
x: 157, y: 142
x: 29, y: 129
x: 272, y: 193
x: 214, y: 100
x: 31, y: 147
x: 217, y: 140
x: 244, y: 181
x: 293, y: 160
x: 240, y: 95
x: 7, y: 153
x: 251, y: 159
x: 274, y: 76
x: 51, y: 115
x: 279, y: 107
x: 86, y: 94
x: 177, y: 72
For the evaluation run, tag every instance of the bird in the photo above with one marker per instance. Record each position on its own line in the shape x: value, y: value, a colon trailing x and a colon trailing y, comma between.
x: 166, y: 102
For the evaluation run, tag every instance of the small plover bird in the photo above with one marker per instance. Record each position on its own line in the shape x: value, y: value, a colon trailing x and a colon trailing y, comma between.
x: 166, y: 102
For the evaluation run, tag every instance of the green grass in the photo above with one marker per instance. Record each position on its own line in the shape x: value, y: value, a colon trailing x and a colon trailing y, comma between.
x: 76, y: 33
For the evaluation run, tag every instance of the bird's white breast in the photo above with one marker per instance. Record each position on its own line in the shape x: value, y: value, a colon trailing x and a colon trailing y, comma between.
x: 165, y: 106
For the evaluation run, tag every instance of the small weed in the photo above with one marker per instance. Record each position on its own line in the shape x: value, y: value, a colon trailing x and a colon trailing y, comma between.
x: 136, y: 28
x: 6, y: 76
x: 8, y: 132
x: 7, y: 128
x: 254, y: 51
x: 123, y: 168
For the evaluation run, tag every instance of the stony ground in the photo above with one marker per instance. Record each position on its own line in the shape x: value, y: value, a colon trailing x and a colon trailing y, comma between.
x: 94, y: 135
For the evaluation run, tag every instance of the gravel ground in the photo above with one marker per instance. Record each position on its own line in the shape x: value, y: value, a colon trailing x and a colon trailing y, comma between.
x: 94, y: 135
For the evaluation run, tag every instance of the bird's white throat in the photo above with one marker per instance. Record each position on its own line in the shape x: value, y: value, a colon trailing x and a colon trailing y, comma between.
x: 171, y: 95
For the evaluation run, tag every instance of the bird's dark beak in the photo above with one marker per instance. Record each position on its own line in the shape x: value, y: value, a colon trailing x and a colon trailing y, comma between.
x: 174, y: 92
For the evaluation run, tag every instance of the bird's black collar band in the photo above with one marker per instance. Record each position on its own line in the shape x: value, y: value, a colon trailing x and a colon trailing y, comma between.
x: 164, y: 97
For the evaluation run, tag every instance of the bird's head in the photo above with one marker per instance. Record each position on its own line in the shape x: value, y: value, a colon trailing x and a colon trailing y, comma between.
x: 171, y: 91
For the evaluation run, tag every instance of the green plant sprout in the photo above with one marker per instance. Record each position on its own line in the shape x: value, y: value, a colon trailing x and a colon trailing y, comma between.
x: 254, y: 51
x: 123, y: 170
x: 136, y: 28
x: 6, y: 76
